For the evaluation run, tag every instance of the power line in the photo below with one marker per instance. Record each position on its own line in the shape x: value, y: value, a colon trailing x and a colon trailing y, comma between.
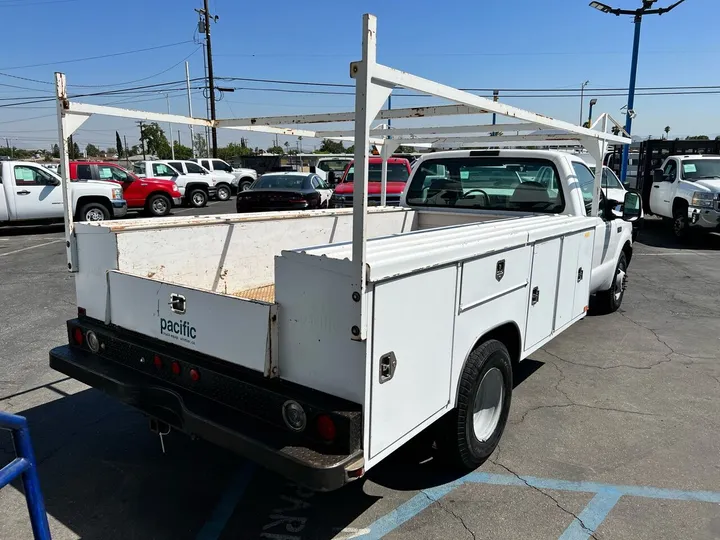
x: 99, y: 56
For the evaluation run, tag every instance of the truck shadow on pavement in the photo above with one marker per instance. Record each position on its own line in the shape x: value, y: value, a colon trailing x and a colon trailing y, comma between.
x: 657, y: 233
x: 103, y: 475
x: 32, y: 230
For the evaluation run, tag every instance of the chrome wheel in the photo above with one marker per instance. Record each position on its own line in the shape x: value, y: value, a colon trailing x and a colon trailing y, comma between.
x: 244, y: 186
x: 488, y: 404
x: 160, y: 206
x: 223, y: 193
x: 94, y: 215
x: 198, y: 198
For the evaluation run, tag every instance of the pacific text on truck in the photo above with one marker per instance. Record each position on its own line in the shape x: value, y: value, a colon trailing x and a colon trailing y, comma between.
x: 316, y: 343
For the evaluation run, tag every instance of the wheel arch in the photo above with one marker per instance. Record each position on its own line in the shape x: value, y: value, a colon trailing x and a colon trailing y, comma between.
x: 679, y: 203
x: 508, y: 333
x: 86, y: 199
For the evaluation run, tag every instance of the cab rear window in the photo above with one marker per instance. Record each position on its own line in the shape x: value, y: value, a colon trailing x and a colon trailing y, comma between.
x: 488, y: 183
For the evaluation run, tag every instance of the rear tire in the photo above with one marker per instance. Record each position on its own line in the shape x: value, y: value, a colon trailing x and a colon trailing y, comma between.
x: 158, y: 205
x: 223, y: 192
x: 472, y: 431
x: 609, y: 301
x: 197, y: 198
x: 93, y: 212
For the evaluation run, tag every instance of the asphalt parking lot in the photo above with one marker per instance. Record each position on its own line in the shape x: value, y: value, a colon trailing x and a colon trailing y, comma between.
x: 614, y: 428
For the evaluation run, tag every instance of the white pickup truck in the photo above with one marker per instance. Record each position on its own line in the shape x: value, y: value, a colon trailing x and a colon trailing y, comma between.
x: 223, y: 326
x: 29, y: 192
x: 686, y: 189
x: 196, y: 188
x: 242, y: 178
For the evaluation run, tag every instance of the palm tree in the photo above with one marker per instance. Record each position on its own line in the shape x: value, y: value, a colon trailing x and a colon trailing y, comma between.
x: 287, y: 147
x: 667, y: 131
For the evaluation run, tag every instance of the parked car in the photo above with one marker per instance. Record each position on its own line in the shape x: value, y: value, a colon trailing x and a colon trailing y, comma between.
x: 196, y: 189
x: 222, y: 180
x: 331, y: 169
x: 30, y: 193
x: 155, y: 196
x: 397, y: 176
x: 285, y: 191
x: 242, y: 177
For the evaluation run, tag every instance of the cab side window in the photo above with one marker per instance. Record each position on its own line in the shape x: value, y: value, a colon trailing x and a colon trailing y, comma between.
x: 84, y: 172
x: 30, y: 176
x: 670, y: 171
x: 160, y: 169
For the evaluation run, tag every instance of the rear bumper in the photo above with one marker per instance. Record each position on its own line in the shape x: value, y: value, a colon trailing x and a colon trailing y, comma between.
x: 120, y: 208
x: 197, y: 415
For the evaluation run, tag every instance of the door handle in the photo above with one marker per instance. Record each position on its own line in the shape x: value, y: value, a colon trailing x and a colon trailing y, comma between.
x: 656, y: 187
x: 23, y: 192
x: 535, y: 296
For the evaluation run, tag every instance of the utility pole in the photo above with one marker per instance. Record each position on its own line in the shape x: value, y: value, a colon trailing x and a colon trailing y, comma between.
x: 205, y: 13
x: 637, y: 20
x: 496, y: 96
x: 192, y: 133
x: 582, y: 97
x: 172, y: 144
x: 142, y: 140
x: 127, y: 151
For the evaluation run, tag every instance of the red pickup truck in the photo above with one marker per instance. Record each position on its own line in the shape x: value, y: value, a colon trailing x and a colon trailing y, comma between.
x: 397, y: 176
x: 153, y: 195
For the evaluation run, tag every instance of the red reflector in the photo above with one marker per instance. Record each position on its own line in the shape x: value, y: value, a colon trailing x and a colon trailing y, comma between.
x: 326, y: 427
x: 81, y: 312
x: 194, y: 375
x: 78, y: 336
x: 357, y: 473
x: 175, y: 366
x: 158, y: 362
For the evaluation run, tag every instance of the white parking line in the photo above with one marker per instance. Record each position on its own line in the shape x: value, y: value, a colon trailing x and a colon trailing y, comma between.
x: 30, y: 247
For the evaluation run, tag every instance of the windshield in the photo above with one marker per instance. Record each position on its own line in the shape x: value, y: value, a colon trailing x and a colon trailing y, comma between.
x: 696, y: 169
x: 490, y: 183
x: 396, y: 172
x: 281, y: 181
x: 609, y: 180
x: 335, y: 165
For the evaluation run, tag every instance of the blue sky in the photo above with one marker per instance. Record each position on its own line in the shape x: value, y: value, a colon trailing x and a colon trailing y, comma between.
x: 478, y: 44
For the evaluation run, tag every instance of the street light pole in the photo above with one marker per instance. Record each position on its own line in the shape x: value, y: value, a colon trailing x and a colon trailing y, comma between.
x: 631, y: 98
x: 592, y: 104
x: 582, y: 98
x: 637, y: 19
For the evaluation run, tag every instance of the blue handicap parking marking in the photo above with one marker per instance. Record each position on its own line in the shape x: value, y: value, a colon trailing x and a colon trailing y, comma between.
x: 581, y: 528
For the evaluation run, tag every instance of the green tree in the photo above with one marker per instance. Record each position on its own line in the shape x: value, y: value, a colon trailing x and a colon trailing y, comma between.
x: 155, y: 141
x: 717, y: 138
x: 697, y: 138
x: 233, y: 150
x: 135, y: 150
x: 350, y: 150
x: 275, y: 150
x: 91, y: 150
x: 200, y: 145
x: 55, y: 151
x: 182, y: 152
x: 118, y: 145
x: 331, y: 147
x: 287, y: 147
x: 667, y: 131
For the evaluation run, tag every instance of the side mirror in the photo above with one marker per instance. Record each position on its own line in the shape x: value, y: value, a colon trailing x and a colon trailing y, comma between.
x: 55, y: 182
x: 632, y: 206
x: 658, y: 175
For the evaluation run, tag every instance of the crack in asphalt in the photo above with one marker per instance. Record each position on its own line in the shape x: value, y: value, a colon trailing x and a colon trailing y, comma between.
x: 571, y: 402
x: 591, y: 533
x: 451, y: 512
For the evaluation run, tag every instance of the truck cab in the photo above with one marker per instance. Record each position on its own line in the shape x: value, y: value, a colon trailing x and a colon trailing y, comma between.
x: 155, y: 196
x: 29, y: 193
x: 398, y: 172
x: 195, y: 189
x: 221, y: 179
x: 686, y: 189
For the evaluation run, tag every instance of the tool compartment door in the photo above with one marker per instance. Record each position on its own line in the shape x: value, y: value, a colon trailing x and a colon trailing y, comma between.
x: 543, y: 291
x: 584, y: 264
x: 413, y: 322
x: 225, y: 327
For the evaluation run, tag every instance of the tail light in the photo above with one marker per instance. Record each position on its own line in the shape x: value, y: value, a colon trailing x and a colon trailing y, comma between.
x: 158, y: 362
x: 78, y: 336
x: 175, y: 367
x: 194, y: 375
x: 326, y: 427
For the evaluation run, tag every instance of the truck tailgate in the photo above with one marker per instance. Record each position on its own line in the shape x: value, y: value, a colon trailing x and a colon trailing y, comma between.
x: 240, y: 331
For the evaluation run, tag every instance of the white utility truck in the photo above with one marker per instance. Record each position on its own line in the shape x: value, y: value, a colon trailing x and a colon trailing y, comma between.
x: 242, y: 178
x: 686, y: 189
x: 196, y: 188
x: 220, y: 180
x: 30, y: 192
x: 316, y: 343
